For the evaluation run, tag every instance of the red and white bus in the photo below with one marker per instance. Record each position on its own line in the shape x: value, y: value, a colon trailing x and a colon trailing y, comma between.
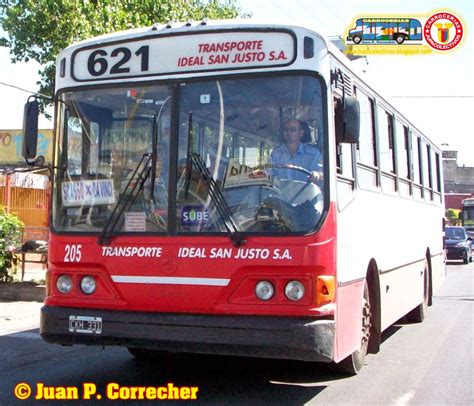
x: 171, y: 230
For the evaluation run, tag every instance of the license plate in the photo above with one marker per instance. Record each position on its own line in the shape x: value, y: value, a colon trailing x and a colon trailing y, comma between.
x: 85, y: 324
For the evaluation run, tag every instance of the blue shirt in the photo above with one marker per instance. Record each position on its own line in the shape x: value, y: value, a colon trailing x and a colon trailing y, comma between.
x: 307, y: 156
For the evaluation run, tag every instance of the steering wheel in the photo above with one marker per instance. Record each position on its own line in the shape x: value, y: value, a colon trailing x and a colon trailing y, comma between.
x: 307, y: 181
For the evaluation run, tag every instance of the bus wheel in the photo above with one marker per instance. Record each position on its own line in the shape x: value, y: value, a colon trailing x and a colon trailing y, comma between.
x: 399, y: 39
x: 357, y: 39
x: 418, y: 314
x: 354, y: 362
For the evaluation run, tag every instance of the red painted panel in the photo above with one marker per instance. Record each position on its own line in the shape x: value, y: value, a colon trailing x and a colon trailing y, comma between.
x: 236, y: 269
x: 348, y: 319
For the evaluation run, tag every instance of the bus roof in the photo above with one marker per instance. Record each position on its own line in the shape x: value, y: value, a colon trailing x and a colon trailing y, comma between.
x: 192, y: 27
x: 177, y: 28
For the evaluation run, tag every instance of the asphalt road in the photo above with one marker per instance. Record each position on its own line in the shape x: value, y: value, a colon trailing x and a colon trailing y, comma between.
x: 419, y: 364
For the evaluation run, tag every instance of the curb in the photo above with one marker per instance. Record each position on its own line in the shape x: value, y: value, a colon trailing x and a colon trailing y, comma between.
x: 22, y: 291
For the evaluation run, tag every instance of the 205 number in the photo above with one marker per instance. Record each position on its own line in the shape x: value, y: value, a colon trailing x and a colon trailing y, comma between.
x: 98, y: 64
x: 72, y: 253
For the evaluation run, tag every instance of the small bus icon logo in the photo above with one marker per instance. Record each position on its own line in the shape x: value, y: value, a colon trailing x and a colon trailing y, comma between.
x: 385, y: 31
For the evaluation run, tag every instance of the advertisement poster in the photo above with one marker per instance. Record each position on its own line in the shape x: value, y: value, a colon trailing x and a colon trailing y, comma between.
x: 11, y: 142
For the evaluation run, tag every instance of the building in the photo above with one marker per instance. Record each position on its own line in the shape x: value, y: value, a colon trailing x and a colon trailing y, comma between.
x: 458, y: 181
x: 24, y: 190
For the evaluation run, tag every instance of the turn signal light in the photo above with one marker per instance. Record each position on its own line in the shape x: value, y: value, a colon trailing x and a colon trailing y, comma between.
x: 325, y: 290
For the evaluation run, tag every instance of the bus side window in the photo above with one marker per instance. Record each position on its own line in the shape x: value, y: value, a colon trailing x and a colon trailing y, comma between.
x: 367, y: 147
x: 417, y: 168
x: 344, y: 150
x: 404, y: 157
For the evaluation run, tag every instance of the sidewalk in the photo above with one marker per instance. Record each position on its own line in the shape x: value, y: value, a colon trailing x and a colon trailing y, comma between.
x: 26, y: 290
x: 20, y: 309
x: 19, y: 316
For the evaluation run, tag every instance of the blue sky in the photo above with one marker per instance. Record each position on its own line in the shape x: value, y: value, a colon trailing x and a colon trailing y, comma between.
x: 435, y: 92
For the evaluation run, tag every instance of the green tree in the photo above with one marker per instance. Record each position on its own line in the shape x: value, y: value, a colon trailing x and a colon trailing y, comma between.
x: 10, y: 237
x: 39, y: 29
x: 453, y: 216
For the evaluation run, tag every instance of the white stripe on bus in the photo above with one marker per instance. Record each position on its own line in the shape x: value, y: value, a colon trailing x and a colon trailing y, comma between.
x: 165, y: 280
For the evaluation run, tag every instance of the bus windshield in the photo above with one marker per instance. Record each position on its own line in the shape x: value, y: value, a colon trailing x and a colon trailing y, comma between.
x: 468, y: 215
x: 249, y: 157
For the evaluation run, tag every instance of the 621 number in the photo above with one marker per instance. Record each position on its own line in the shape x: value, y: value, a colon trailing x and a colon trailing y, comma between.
x: 98, y: 64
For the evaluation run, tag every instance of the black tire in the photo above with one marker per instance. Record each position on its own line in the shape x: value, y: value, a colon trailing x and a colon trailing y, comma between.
x: 356, y: 39
x: 399, y: 39
x: 354, y: 362
x: 418, y: 314
x: 465, y: 258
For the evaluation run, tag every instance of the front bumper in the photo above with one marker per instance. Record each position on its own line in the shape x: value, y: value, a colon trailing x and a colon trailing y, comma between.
x: 301, y: 338
x: 456, y: 252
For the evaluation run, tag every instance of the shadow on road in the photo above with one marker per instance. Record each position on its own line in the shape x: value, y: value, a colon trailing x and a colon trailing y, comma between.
x: 221, y: 380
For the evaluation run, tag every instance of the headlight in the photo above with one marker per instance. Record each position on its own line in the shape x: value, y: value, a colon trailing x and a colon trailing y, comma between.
x: 64, y: 284
x: 461, y: 244
x: 264, y: 290
x: 294, y: 290
x: 88, y: 285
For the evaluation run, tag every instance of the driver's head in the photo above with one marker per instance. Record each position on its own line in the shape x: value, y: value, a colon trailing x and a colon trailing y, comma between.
x: 293, y: 131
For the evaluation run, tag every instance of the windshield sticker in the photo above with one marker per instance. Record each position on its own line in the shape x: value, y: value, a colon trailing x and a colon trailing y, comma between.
x: 192, y: 216
x: 205, y: 98
x: 243, y: 175
x: 88, y: 192
x: 135, y: 221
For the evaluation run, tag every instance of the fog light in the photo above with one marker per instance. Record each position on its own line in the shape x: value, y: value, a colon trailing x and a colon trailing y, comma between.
x: 264, y: 290
x: 294, y: 290
x: 64, y: 284
x: 88, y: 285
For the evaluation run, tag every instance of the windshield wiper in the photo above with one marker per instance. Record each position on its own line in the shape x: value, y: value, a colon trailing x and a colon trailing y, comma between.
x: 140, y: 174
x: 218, y: 199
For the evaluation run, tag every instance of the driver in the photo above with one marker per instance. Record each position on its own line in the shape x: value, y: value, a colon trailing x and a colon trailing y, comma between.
x: 295, y: 152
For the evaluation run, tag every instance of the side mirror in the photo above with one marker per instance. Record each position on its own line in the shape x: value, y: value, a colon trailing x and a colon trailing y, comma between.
x: 347, y: 121
x: 351, y: 121
x: 30, y: 129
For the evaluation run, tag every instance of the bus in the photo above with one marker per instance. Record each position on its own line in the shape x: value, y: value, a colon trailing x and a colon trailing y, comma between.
x: 385, y: 31
x: 210, y: 251
x: 467, y: 215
